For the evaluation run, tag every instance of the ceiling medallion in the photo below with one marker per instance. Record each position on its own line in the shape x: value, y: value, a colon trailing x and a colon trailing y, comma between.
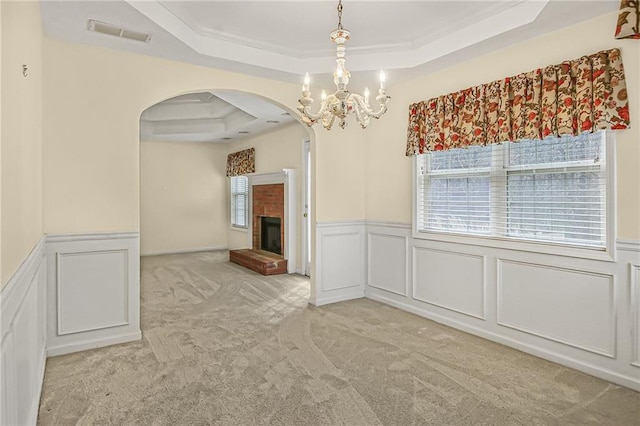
x: 341, y: 103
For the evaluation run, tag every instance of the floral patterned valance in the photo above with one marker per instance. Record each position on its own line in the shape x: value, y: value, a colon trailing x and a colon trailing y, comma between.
x: 628, y: 19
x: 241, y: 162
x: 582, y: 95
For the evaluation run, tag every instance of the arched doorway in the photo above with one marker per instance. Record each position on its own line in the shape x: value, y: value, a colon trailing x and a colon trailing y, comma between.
x: 202, y: 127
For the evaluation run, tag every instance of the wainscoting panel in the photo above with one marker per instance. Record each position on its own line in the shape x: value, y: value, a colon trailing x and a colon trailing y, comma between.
x: 569, y: 306
x: 580, y: 312
x: 635, y: 313
x: 387, y: 262
x: 340, y: 262
x: 22, y: 341
x: 93, y: 291
x: 450, y: 280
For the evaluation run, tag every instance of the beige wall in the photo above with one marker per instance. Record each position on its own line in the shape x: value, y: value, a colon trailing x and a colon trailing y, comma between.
x: 388, y: 171
x: 92, y: 101
x: 183, y: 196
x: 21, y: 148
x: 278, y: 149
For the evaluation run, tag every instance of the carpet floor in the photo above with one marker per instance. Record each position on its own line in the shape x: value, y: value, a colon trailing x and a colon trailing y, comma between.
x: 225, y: 346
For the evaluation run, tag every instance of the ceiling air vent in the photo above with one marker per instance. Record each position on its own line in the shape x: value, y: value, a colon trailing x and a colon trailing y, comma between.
x: 110, y: 29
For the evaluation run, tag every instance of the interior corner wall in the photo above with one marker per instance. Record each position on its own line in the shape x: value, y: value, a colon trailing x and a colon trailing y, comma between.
x: 21, y: 149
x: 183, y: 197
x: 388, y: 173
x: 278, y: 149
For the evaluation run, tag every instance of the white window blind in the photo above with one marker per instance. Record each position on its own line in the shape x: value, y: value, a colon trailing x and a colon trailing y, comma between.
x: 552, y: 190
x: 239, y: 201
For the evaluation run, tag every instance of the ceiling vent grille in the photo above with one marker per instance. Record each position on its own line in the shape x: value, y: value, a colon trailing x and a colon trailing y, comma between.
x: 112, y: 30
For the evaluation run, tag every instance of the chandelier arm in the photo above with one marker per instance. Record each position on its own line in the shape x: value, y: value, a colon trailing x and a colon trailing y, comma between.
x: 341, y: 103
x: 304, y: 107
x: 364, y: 107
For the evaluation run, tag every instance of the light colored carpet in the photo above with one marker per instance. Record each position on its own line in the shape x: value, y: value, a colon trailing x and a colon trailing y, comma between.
x: 223, y: 345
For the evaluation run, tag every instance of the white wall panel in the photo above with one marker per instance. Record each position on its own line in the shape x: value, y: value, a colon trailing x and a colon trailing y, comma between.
x: 8, y: 394
x: 340, y: 262
x: 387, y: 262
x: 635, y: 313
x: 450, y: 280
x: 579, y: 312
x: 92, y: 291
x: 22, y: 347
x: 26, y: 355
x: 340, y: 267
x: 570, y: 306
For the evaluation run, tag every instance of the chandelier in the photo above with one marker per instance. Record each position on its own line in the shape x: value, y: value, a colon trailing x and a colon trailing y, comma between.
x: 341, y: 103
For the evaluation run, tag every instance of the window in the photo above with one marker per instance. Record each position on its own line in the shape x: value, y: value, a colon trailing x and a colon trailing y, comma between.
x: 239, y: 201
x: 553, y: 190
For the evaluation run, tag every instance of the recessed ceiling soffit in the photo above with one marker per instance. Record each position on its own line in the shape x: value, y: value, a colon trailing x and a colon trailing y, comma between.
x: 434, y: 39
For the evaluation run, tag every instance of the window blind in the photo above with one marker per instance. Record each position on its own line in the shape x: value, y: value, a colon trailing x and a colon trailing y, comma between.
x: 550, y: 190
x: 239, y: 201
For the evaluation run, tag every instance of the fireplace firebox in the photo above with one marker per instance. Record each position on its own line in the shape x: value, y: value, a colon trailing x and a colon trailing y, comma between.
x: 270, y: 234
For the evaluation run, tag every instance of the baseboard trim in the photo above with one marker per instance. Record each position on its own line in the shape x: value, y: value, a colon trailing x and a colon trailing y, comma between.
x: 182, y: 251
x: 93, y: 344
x: 532, y: 350
x: 343, y: 297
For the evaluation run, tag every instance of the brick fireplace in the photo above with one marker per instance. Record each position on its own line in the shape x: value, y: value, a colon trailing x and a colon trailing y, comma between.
x: 273, y: 205
x: 268, y: 202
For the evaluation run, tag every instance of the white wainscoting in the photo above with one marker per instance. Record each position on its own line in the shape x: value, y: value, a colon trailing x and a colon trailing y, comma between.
x: 22, y: 341
x: 576, y: 312
x: 535, y: 298
x: 387, y: 262
x: 93, y: 291
x: 635, y: 312
x: 451, y: 280
x: 340, y: 261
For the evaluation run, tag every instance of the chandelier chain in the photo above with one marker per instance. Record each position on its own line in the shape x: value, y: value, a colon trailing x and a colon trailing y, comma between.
x: 340, y: 15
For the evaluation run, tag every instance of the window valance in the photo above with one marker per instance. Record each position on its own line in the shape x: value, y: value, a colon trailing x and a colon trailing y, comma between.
x: 628, y: 25
x: 241, y: 162
x: 582, y: 95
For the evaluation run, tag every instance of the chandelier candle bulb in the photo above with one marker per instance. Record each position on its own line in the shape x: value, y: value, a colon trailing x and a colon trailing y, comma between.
x: 339, y: 104
x: 307, y: 80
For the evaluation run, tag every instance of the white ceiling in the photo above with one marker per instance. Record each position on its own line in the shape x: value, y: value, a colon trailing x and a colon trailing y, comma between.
x: 283, y: 39
x: 210, y: 117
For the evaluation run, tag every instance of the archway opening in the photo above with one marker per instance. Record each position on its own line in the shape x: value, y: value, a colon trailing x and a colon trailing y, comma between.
x: 185, y: 195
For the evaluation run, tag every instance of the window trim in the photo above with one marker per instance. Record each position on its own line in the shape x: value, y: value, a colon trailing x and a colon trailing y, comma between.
x: 608, y: 254
x: 231, y: 205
